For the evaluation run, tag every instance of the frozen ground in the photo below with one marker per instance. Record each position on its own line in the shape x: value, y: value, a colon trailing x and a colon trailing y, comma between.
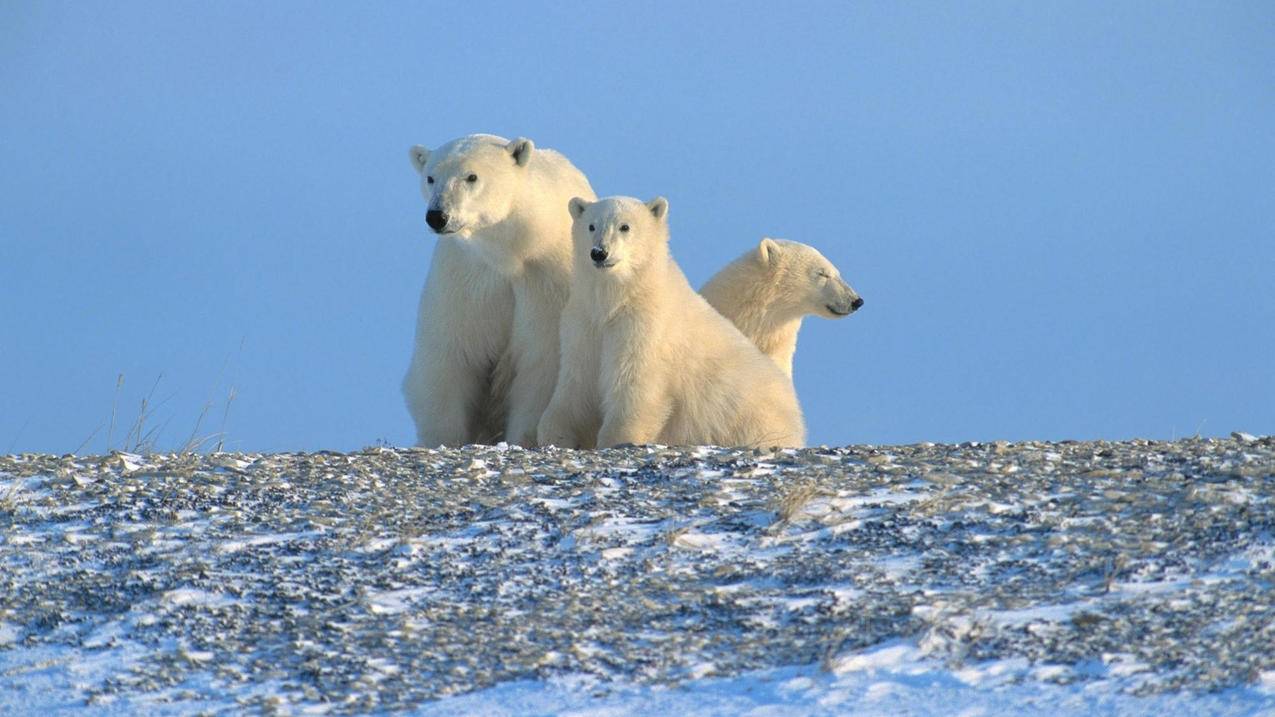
x: 1061, y: 578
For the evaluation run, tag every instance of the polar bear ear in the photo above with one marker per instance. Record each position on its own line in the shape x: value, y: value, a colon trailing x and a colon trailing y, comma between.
x: 521, y: 150
x: 420, y: 155
x: 577, y: 207
x: 659, y: 208
x: 767, y: 250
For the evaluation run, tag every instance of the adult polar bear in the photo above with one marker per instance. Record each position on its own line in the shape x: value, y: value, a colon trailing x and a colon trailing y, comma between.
x: 645, y: 358
x: 486, y: 350
x: 767, y: 292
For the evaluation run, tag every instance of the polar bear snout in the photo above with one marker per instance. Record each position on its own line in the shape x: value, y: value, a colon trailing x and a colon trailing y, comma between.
x: 436, y: 219
x: 841, y: 299
x: 845, y: 307
x: 598, y: 255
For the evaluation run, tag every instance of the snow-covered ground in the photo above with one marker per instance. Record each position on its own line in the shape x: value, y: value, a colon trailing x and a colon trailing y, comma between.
x: 1070, y: 578
x: 887, y: 680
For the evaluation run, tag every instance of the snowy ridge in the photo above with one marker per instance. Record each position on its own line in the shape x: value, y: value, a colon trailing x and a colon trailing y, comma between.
x: 1132, y: 577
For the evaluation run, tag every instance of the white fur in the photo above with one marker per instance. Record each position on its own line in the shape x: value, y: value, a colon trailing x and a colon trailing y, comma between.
x: 769, y: 290
x: 646, y: 359
x: 454, y: 387
x: 514, y: 233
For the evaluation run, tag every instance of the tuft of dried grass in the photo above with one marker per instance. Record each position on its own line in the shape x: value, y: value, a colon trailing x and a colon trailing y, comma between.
x: 793, y: 499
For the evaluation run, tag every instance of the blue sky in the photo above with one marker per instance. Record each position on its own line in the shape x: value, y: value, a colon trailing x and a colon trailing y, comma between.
x: 1061, y: 215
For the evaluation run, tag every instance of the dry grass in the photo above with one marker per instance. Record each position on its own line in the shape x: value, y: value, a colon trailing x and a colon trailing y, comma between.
x: 793, y: 499
x: 143, y: 434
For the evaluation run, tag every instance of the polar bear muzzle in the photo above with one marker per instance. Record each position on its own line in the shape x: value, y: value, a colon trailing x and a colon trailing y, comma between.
x: 598, y: 255
x: 437, y: 220
x: 845, y: 308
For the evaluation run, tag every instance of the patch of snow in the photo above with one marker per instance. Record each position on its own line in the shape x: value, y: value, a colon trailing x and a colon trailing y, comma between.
x: 1157, y: 587
x: 1266, y: 681
x: 628, y: 531
x: 200, y: 598
x: 882, y: 681
x: 1026, y: 616
x: 992, y: 673
x: 392, y: 602
x: 873, y: 498
x: 1260, y: 556
x: 898, y: 566
x: 130, y: 462
x: 701, y: 541
x: 1124, y: 665
x: 701, y: 670
x: 234, y: 546
x: 892, y: 656
x: 9, y: 634
x: 553, y: 504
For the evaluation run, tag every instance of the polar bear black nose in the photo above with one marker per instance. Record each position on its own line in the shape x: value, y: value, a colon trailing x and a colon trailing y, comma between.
x: 856, y: 303
x: 436, y: 219
x: 598, y: 255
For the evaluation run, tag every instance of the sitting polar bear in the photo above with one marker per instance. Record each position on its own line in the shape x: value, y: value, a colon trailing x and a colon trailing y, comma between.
x: 486, y: 352
x: 769, y: 290
x: 645, y: 358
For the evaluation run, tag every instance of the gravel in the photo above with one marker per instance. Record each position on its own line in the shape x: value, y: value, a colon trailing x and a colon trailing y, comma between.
x: 384, y: 579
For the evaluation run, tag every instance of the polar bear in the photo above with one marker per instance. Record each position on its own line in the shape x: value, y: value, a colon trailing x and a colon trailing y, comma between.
x: 453, y: 387
x: 770, y: 289
x: 645, y: 358
x: 502, y: 204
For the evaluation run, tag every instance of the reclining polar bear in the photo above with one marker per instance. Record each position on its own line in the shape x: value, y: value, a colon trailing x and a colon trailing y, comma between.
x: 767, y: 292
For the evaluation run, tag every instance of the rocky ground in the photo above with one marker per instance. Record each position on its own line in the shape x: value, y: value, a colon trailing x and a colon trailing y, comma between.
x: 388, y: 578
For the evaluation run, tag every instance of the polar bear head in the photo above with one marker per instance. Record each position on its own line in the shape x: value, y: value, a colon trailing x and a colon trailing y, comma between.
x: 805, y: 282
x: 618, y: 236
x: 471, y: 183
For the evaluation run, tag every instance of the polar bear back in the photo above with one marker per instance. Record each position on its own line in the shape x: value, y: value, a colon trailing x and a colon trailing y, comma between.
x: 725, y: 391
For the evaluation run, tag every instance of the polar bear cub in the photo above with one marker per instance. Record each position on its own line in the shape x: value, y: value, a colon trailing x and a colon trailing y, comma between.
x: 769, y: 290
x: 500, y: 205
x: 645, y: 358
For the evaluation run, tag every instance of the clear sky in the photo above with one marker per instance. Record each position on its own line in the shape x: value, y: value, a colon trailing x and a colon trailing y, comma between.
x: 1061, y: 215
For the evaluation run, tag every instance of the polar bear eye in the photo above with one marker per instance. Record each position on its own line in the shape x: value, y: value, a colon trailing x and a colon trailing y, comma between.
x: 823, y: 274
x: 429, y: 179
x: 591, y: 228
x: 624, y: 227
x: 471, y: 178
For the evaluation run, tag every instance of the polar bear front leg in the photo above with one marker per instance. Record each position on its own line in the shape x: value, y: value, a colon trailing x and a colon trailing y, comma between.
x: 635, y: 412
x: 443, y: 394
x: 535, y: 374
x: 574, y: 391
x: 463, y: 324
x: 638, y: 422
x: 528, y: 398
x: 555, y: 425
